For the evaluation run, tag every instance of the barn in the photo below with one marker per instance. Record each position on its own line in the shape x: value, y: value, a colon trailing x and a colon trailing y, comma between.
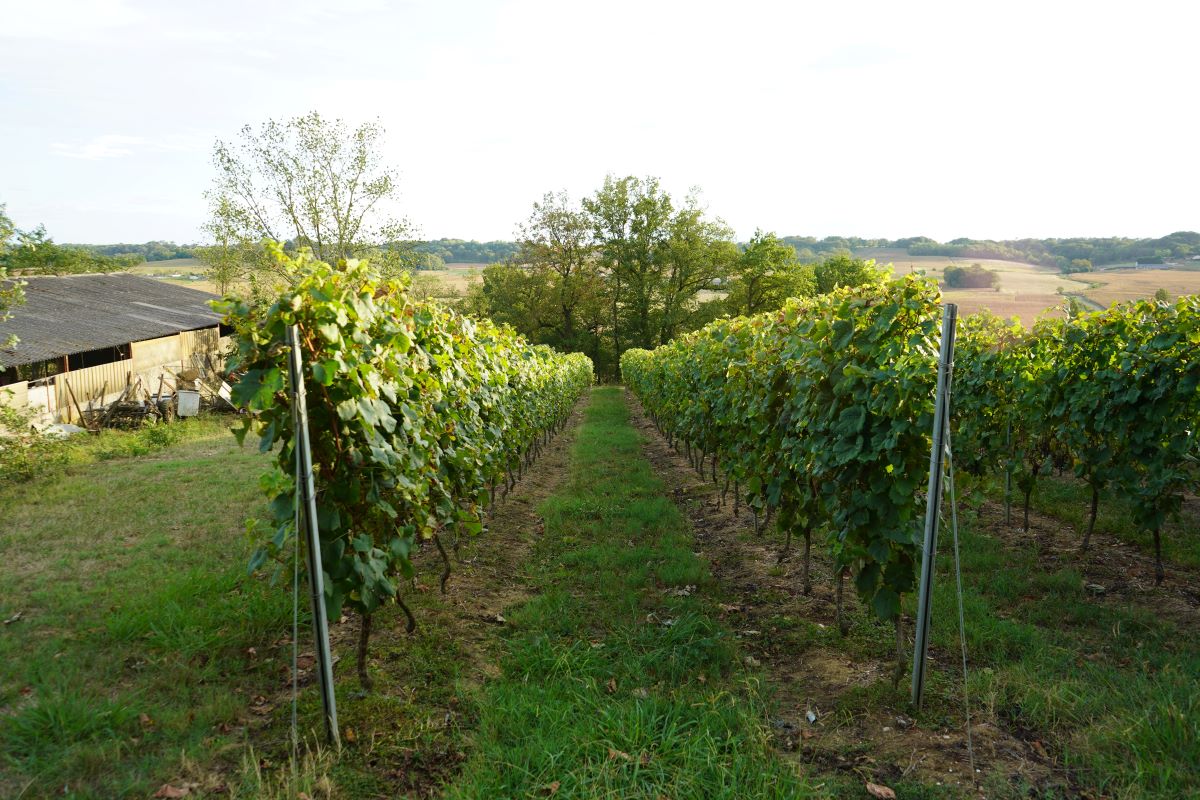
x: 84, y: 338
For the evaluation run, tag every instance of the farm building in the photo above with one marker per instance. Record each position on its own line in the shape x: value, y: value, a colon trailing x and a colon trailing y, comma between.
x: 83, y: 338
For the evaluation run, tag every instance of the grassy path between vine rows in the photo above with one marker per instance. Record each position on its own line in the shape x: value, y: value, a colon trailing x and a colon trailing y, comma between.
x: 616, y: 679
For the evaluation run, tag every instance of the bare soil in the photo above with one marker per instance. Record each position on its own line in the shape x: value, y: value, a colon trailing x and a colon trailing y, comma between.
x: 1113, y: 571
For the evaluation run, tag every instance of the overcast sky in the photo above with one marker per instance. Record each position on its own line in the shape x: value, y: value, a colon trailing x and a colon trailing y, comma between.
x: 988, y: 120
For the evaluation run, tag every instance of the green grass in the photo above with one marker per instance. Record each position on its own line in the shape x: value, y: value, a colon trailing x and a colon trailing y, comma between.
x: 55, y: 456
x: 131, y: 665
x: 132, y: 648
x: 610, y: 686
x: 1111, y: 687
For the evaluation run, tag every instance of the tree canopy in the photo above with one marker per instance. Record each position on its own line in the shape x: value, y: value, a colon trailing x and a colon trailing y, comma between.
x: 34, y: 252
x: 308, y: 182
x: 631, y: 266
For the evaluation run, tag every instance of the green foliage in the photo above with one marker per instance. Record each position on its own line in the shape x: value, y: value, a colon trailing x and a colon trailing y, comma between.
x: 414, y: 411
x: 147, y: 251
x: 1068, y: 255
x: 33, y: 252
x: 843, y: 270
x: 766, y: 274
x: 972, y: 277
x: 25, y: 453
x: 625, y: 267
x: 309, y: 182
x: 468, y: 252
x: 1114, y: 392
x: 822, y: 409
x: 11, y: 292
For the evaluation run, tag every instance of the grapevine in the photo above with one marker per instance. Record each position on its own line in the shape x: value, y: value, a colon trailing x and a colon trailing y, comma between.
x: 416, y: 413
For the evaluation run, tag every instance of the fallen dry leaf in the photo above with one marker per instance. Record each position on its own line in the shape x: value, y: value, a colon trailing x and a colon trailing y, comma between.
x: 350, y: 736
x: 611, y: 686
x: 613, y: 755
x: 880, y: 792
x: 550, y: 788
x: 145, y: 720
x: 167, y: 790
x: 13, y: 618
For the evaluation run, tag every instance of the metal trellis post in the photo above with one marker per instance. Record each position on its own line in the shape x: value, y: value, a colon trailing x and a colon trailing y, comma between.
x: 933, y: 504
x: 316, y: 581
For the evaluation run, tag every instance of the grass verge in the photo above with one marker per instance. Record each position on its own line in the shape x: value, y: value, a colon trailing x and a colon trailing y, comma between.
x: 1109, y: 688
x: 616, y: 680
x: 136, y: 638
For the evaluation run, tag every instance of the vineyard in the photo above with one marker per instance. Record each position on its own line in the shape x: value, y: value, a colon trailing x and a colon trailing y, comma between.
x: 545, y: 593
x: 822, y: 411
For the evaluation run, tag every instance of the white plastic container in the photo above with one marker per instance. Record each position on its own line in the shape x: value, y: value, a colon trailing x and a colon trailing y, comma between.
x: 189, y: 403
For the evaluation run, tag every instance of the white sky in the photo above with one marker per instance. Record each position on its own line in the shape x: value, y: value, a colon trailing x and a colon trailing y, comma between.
x: 989, y: 120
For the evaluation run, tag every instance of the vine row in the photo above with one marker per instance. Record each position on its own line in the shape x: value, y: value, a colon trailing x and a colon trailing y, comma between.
x: 820, y: 414
x: 416, y: 415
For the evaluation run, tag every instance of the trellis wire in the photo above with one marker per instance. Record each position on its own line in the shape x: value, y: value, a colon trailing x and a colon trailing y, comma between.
x: 962, y: 624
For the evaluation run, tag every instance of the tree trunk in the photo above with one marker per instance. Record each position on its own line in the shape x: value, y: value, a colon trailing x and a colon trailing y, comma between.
x: 1087, y: 537
x: 364, y: 637
x: 807, y: 548
x: 1159, y: 573
x: 842, y: 623
x: 1028, y: 494
x: 445, y: 562
x: 901, y: 659
x: 412, y: 621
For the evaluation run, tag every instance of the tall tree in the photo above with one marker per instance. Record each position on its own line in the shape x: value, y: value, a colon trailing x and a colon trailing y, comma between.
x: 308, y: 182
x: 557, y: 240
x: 766, y: 274
x: 844, y: 270
x: 698, y: 252
x: 631, y: 219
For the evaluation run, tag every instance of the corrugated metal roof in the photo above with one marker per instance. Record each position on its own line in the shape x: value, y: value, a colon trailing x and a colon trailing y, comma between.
x: 67, y: 314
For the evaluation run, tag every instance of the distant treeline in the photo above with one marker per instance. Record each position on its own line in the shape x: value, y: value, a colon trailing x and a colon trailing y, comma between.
x: 1070, y: 255
x: 148, y: 251
x: 468, y: 252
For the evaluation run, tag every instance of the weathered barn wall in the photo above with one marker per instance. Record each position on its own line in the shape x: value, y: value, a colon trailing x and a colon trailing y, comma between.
x: 200, y: 348
x: 20, y: 394
x: 154, y: 353
x: 87, y: 383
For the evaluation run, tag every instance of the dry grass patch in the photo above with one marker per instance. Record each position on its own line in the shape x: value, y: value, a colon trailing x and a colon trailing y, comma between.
x: 1118, y: 286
